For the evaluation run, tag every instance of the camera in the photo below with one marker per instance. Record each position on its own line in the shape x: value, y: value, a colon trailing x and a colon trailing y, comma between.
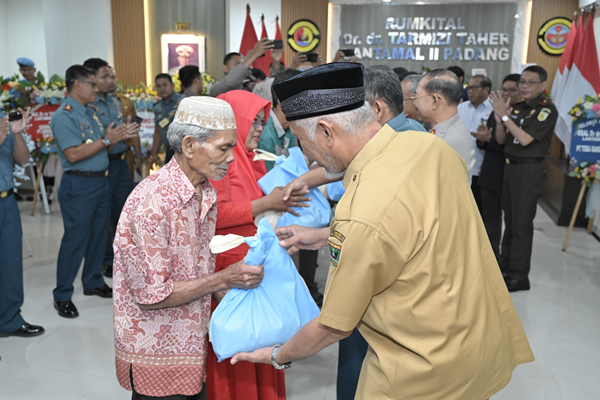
x: 15, y: 116
x: 311, y: 57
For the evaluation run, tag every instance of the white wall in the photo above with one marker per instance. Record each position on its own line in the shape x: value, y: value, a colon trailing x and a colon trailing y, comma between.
x: 23, y: 27
x: 236, y: 19
x: 55, y: 34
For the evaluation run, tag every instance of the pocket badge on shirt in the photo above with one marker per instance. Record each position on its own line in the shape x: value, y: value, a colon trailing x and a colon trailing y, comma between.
x: 543, y: 115
x: 163, y: 122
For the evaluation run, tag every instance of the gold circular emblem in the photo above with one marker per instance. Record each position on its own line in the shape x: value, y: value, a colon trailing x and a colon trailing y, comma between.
x: 304, y: 35
x: 552, y: 36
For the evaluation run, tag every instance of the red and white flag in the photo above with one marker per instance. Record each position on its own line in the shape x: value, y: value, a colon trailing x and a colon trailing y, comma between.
x: 264, y: 63
x: 249, y: 38
x: 584, y: 77
x: 566, y: 62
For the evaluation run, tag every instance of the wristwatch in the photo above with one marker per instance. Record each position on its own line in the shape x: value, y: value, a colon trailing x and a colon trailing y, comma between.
x: 505, y: 118
x: 106, y: 142
x: 274, y: 359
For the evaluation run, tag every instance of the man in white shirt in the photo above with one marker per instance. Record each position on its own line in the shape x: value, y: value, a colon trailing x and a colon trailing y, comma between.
x: 473, y: 113
x: 437, y: 97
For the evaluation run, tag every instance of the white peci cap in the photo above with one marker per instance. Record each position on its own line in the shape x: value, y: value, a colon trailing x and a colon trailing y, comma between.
x: 205, y: 112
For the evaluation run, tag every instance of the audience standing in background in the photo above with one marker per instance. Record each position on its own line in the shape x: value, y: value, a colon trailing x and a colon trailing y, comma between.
x: 526, y: 131
x: 461, y: 76
x: 491, y: 177
x: 409, y: 90
x: 438, y: 95
x: 119, y: 182
x: 12, y: 149
x: 473, y: 113
x: 134, y: 162
x: 164, y: 112
x: 237, y: 69
x: 191, y: 80
x: 277, y: 138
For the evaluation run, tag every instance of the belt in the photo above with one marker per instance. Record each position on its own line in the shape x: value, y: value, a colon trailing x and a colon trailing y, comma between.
x: 114, y: 157
x: 524, y: 160
x: 88, y: 174
x: 6, y: 193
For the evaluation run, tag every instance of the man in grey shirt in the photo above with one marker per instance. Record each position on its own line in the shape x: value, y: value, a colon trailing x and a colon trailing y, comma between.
x: 437, y: 98
x: 237, y: 69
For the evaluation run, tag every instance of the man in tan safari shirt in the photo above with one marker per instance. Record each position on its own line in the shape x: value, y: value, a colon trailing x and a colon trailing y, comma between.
x: 411, y: 264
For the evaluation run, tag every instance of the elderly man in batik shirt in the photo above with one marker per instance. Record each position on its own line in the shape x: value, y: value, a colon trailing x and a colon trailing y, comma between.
x: 163, y: 269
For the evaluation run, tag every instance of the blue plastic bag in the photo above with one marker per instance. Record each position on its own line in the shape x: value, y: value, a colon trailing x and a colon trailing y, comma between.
x: 335, y: 190
x: 318, y: 215
x: 247, y: 320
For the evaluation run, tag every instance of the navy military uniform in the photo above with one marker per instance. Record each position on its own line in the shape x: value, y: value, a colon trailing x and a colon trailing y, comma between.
x: 84, y: 199
x: 11, y: 242
x: 119, y: 180
x: 163, y: 115
x: 524, y: 180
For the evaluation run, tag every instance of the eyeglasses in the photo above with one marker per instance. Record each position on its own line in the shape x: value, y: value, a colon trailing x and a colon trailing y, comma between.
x: 259, y: 124
x: 413, y: 98
x: 91, y: 83
x: 509, y: 90
x: 474, y: 87
x: 528, y: 83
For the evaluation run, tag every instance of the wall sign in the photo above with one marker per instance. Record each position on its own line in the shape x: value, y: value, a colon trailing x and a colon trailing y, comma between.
x: 304, y: 35
x: 433, y: 36
x: 552, y: 36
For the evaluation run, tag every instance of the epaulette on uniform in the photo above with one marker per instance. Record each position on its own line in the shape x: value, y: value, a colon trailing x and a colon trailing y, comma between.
x: 93, y: 108
x: 544, y: 102
x: 68, y: 108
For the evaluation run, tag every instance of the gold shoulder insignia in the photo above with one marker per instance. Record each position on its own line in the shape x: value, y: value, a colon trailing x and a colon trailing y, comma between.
x: 94, y: 108
x: 544, y: 102
x: 68, y: 108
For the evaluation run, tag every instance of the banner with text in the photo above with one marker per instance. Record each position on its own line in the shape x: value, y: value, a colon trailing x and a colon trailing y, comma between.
x: 472, y: 36
x: 585, y: 141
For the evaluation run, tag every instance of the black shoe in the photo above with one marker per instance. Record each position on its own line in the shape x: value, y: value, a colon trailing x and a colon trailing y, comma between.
x: 66, y: 309
x: 107, y: 271
x: 25, y: 331
x: 514, y: 285
x: 102, y: 291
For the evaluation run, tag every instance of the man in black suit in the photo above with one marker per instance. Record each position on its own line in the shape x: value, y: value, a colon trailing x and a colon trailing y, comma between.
x: 491, y: 177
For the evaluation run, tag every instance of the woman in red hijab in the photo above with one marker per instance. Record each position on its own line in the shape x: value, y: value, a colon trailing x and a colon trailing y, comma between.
x: 240, y: 200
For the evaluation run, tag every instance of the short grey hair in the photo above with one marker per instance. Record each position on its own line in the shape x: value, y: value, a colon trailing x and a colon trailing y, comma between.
x: 382, y: 83
x: 177, y: 132
x: 446, y: 84
x: 413, y: 82
x: 352, y: 122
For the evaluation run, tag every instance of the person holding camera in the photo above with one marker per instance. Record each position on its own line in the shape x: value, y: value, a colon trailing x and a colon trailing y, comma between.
x: 12, y: 148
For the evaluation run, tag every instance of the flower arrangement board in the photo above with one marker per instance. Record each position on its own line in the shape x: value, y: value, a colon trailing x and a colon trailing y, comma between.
x: 40, y: 122
x: 585, y: 141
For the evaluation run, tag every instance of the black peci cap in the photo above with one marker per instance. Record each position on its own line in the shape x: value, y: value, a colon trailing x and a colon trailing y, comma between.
x: 326, y: 89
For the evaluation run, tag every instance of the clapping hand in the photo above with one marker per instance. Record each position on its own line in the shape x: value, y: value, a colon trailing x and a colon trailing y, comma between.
x: 483, y: 134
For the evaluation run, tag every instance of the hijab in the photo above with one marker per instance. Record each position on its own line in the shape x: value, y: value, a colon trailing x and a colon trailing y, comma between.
x: 240, y: 183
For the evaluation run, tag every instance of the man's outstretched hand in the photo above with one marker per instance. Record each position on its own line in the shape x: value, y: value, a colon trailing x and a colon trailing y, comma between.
x: 260, y: 356
x: 296, y: 238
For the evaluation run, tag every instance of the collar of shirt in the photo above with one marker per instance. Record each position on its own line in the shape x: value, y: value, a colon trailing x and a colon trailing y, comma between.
x: 277, y: 125
x: 77, y: 107
x: 185, y: 188
x: 442, y: 127
x: 397, y: 122
x: 367, y: 153
x: 173, y: 100
x: 533, y: 103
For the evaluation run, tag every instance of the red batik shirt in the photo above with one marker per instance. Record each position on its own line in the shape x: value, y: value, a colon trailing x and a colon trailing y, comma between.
x: 162, y: 237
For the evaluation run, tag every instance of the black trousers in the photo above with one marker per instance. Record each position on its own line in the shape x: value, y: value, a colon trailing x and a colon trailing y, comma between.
x: 136, y: 396
x: 476, y: 193
x: 491, y: 212
x: 307, y: 268
x: 523, y: 186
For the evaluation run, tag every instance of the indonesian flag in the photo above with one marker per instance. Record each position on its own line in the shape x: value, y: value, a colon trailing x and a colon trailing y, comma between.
x: 584, y: 78
x: 278, y: 36
x: 264, y: 63
x: 249, y: 38
x: 563, y: 128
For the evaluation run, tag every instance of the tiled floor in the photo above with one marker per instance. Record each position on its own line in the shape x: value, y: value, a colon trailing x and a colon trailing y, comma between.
x: 74, y: 359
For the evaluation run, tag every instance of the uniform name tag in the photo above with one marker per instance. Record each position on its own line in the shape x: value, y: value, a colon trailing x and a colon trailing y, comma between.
x: 163, y: 122
x: 84, y: 126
